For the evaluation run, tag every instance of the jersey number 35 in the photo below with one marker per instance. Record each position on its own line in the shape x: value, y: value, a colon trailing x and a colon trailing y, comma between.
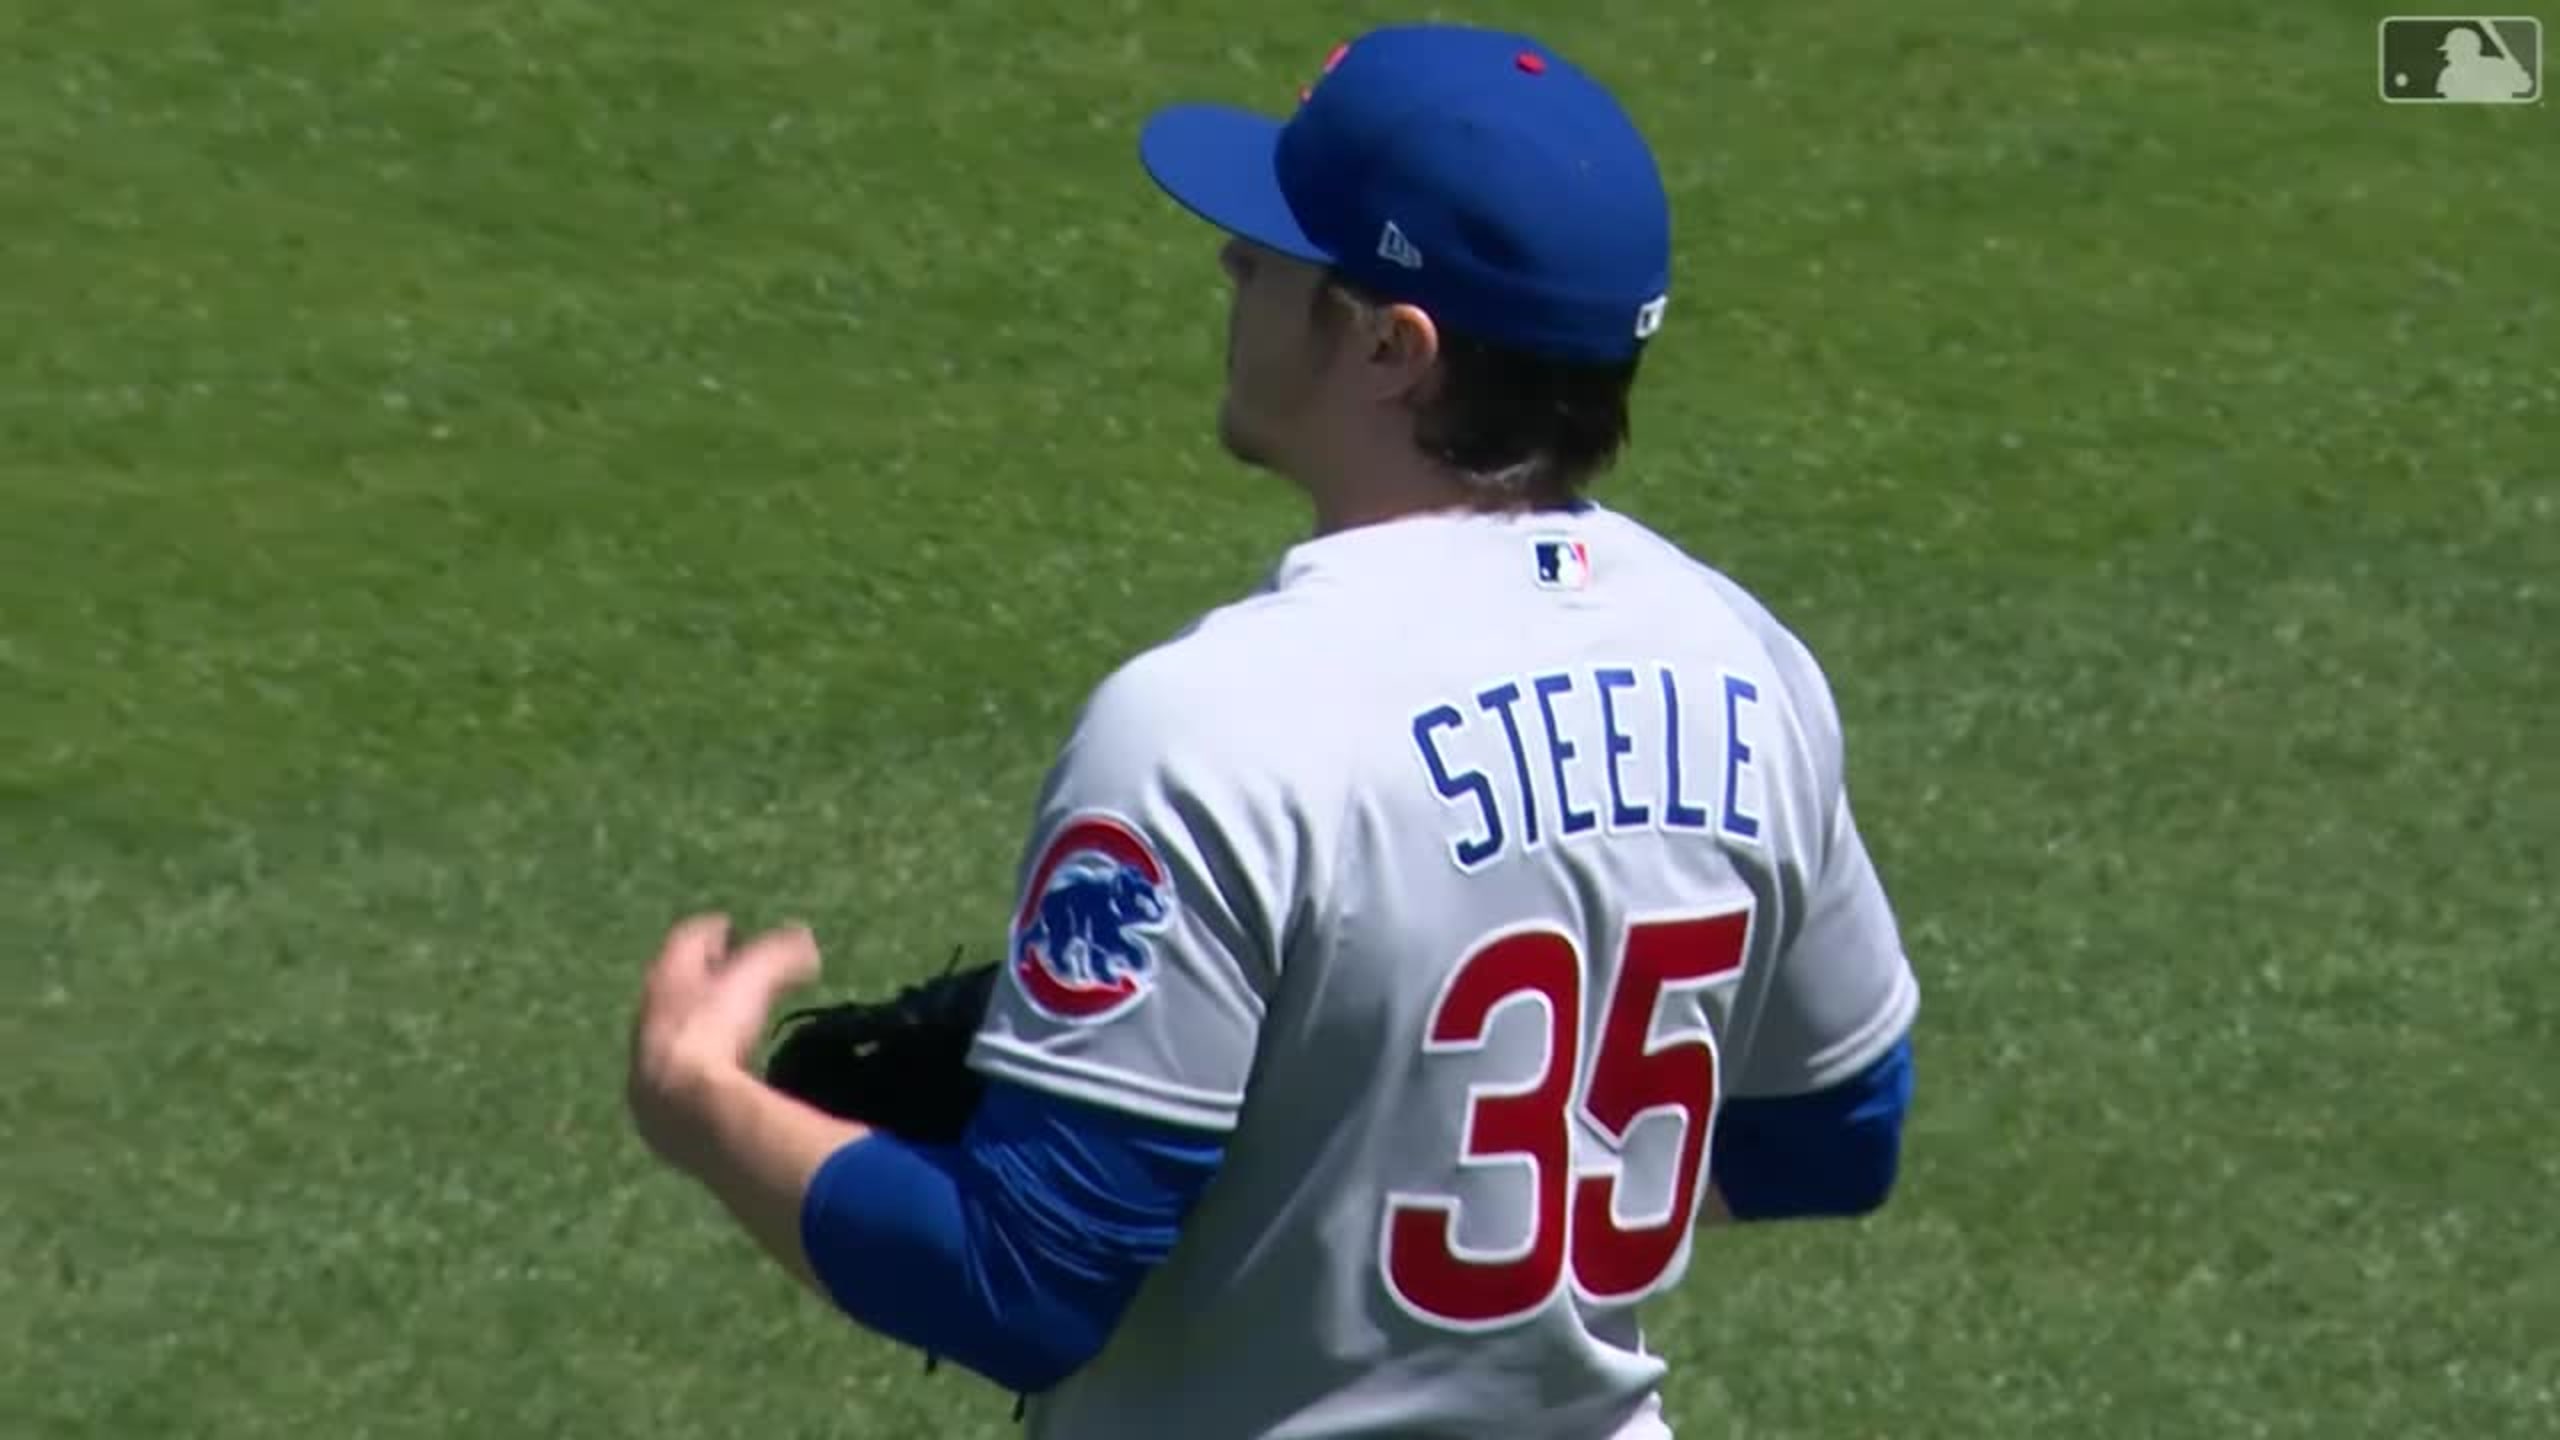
x: 1577, y: 1229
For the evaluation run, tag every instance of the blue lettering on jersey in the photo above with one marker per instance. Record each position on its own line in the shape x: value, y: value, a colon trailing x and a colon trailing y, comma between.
x: 1470, y: 853
x: 1461, y: 757
x: 1559, y: 750
x: 1617, y: 743
x: 1736, y: 755
x: 1675, y: 814
x: 1505, y: 696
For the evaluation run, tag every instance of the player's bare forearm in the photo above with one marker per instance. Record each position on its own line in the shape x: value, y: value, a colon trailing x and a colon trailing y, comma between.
x: 695, y: 1102
x: 756, y: 1150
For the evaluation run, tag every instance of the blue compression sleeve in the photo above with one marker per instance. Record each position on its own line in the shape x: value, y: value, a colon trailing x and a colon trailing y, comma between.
x: 1833, y: 1152
x: 1014, y: 1252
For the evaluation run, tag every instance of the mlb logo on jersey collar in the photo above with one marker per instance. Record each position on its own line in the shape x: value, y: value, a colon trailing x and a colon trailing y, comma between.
x: 1563, y: 563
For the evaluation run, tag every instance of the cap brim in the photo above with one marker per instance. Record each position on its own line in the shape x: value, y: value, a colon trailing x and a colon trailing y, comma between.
x: 1222, y: 164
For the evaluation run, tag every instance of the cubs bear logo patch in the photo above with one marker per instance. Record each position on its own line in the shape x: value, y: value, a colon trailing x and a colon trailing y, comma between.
x: 1080, y: 949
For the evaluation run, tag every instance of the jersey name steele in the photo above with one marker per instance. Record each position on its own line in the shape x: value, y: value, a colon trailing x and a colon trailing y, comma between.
x: 1602, y: 750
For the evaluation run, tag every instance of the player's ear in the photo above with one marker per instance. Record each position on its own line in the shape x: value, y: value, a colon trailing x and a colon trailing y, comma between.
x: 1405, y: 344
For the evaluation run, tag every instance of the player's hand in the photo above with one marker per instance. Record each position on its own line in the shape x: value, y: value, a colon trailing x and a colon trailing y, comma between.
x: 702, y: 1009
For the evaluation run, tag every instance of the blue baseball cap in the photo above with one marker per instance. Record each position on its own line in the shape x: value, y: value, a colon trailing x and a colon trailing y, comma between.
x: 1474, y: 173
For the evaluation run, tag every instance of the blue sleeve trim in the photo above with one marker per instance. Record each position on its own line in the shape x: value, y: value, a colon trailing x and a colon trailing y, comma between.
x: 1835, y: 1152
x: 1014, y: 1252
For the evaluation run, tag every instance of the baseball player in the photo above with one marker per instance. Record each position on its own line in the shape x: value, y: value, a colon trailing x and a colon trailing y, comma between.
x: 1410, y: 956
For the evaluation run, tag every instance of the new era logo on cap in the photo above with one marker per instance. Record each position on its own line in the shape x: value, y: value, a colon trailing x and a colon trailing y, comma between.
x: 1397, y: 250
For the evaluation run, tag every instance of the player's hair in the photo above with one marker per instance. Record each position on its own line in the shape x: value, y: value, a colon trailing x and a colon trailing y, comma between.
x: 1521, y: 429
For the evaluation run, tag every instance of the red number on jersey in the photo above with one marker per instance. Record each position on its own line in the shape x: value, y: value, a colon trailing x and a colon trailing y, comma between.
x: 1577, y: 1226
x: 1618, y: 1257
x: 1424, y: 1261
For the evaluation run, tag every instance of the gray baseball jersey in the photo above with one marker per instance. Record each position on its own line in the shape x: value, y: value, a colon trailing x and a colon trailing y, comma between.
x: 1456, y: 876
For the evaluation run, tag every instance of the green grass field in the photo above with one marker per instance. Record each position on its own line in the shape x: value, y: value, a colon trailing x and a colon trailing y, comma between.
x: 480, y: 480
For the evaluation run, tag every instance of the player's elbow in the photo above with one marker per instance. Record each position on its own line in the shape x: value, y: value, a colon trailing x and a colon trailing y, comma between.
x: 919, y: 1244
x: 1864, y: 1187
x: 1843, y: 1178
x: 1035, y: 1347
x: 1067, y: 1211
x: 1864, y: 1168
x: 1835, y: 1154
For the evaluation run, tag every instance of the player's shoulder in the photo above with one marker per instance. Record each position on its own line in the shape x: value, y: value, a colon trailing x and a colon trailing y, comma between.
x: 1753, y: 619
x: 1217, y: 659
x: 1238, y: 685
x: 1749, y: 610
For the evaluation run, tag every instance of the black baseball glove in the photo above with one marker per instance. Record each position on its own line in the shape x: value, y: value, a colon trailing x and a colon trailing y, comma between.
x: 899, y: 1064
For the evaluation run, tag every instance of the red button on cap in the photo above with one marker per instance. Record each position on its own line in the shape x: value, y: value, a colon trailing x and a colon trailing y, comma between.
x: 1533, y: 62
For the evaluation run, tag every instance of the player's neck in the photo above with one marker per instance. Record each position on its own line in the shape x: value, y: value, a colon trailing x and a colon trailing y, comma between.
x: 1356, y: 506
x: 1352, y: 493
